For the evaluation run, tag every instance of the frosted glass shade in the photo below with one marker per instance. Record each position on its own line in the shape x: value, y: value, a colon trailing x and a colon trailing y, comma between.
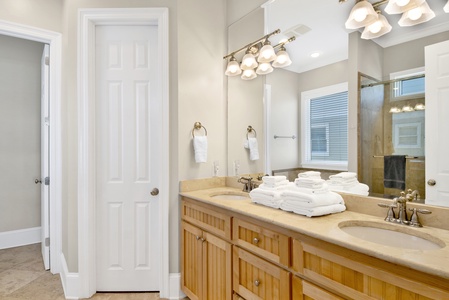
x: 248, y: 62
x: 401, y: 6
x: 395, y: 110
x: 377, y: 28
x: 282, y: 60
x: 264, y: 68
x: 446, y: 7
x: 248, y: 74
x: 267, y: 53
x: 361, y: 15
x: 417, y: 15
x: 233, y: 68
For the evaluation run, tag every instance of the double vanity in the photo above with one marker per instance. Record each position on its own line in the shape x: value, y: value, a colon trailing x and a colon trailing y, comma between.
x: 235, y: 249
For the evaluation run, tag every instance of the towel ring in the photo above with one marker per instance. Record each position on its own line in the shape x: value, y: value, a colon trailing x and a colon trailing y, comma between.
x: 198, y: 126
x: 249, y: 130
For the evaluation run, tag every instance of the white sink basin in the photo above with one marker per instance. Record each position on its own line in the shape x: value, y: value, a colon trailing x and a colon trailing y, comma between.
x: 391, y: 235
x: 230, y: 196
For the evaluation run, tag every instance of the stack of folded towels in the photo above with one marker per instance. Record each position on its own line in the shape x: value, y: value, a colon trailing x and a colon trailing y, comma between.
x: 347, y: 182
x: 269, y: 192
x: 308, y: 195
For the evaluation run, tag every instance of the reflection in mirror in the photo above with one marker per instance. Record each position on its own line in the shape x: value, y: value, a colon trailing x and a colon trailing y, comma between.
x: 387, y: 134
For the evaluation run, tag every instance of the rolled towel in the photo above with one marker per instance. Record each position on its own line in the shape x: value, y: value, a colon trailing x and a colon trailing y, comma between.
x: 200, y: 147
x: 273, y: 179
x: 253, y: 148
x: 310, y: 174
x: 314, y: 211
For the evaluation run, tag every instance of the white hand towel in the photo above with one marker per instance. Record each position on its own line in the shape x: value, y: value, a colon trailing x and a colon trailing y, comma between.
x: 310, y: 174
x: 275, y: 187
x: 314, y: 211
x: 314, y: 200
x: 253, y: 149
x: 200, y: 147
x: 312, y: 183
x: 273, y: 179
x: 344, y: 175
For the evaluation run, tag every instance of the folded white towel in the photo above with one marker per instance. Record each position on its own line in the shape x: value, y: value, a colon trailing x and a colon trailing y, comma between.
x: 314, y: 211
x: 344, y: 175
x: 200, y: 147
x: 322, y: 190
x: 310, y: 182
x: 310, y: 174
x: 359, y: 189
x: 312, y: 200
x: 277, y: 186
x: 253, y: 148
x: 274, y: 179
x: 266, y: 197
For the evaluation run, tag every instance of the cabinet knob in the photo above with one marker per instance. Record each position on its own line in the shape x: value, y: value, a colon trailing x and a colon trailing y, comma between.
x: 197, y: 237
x: 256, y: 282
x: 255, y: 241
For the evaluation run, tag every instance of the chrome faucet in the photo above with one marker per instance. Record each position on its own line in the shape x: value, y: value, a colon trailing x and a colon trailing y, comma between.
x: 402, y: 218
x: 248, y: 185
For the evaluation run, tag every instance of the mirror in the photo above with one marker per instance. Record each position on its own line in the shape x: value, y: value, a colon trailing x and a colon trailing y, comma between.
x: 374, y: 59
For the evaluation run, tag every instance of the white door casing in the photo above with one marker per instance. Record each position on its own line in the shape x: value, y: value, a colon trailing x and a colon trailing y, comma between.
x: 54, y: 40
x: 45, y: 154
x: 437, y: 123
x: 88, y: 20
x: 127, y: 156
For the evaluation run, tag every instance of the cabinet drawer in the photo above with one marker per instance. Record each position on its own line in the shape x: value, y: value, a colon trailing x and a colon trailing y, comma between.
x: 255, y: 278
x: 215, y: 222
x: 302, y: 289
x: 267, y: 243
x: 358, y: 279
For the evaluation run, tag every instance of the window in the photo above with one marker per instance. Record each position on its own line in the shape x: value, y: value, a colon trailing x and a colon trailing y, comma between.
x: 408, y: 87
x: 324, y: 126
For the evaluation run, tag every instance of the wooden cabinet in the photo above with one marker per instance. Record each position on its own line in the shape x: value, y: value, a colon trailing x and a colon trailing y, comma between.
x: 206, y: 270
x: 255, y: 278
x: 358, y: 276
x: 226, y: 255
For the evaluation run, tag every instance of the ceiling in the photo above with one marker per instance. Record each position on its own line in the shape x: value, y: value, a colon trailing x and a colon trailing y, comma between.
x: 320, y: 28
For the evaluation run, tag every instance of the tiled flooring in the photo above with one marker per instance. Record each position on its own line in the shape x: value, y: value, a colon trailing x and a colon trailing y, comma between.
x: 22, y: 276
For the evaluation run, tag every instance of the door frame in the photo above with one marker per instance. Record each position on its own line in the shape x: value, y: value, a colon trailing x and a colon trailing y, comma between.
x: 87, y: 21
x: 54, y: 39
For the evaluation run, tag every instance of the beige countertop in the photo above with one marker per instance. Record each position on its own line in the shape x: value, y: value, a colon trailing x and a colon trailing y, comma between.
x: 327, y: 228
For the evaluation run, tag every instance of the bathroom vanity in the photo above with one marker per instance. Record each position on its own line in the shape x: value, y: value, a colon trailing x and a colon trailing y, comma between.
x: 235, y: 249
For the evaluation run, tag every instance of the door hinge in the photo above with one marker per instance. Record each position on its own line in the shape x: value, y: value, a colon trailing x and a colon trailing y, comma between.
x: 47, y: 242
x: 47, y: 181
x: 47, y: 60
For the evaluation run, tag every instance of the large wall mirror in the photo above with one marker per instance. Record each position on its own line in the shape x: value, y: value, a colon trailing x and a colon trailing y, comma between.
x: 344, y: 57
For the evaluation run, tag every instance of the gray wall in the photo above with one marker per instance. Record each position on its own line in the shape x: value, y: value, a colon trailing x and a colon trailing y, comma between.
x: 20, y: 110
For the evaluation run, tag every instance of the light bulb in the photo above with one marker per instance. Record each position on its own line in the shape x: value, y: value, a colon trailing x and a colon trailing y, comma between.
x: 402, y: 2
x: 415, y: 14
x: 375, y: 27
x: 360, y: 14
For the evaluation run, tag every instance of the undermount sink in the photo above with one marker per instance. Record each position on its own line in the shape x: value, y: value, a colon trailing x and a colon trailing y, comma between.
x: 230, y: 196
x: 397, y: 236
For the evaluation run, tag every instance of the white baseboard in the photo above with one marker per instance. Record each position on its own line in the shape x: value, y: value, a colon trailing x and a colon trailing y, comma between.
x: 70, y: 281
x: 21, y: 237
x: 175, y: 287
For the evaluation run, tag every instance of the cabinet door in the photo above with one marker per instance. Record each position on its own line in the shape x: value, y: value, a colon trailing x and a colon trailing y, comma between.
x: 255, y: 278
x: 303, y: 290
x: 191, y: 261
x: 217, y: 266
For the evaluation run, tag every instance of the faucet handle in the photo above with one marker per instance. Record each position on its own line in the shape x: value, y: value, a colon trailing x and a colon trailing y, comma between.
x: 390, y: 214
x: 414, y: 220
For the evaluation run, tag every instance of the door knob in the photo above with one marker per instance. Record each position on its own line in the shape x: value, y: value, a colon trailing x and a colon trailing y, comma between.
x: 155, y: 192
x: 431, y: 182
x: 36, y: 181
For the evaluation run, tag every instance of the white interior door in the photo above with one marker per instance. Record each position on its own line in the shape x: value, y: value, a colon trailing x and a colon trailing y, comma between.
x: 45, y: 156
x: 128, y: 116
x: 437, y: 123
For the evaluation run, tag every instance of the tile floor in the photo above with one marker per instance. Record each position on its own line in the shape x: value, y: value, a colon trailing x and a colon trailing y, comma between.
x: 22, y: 276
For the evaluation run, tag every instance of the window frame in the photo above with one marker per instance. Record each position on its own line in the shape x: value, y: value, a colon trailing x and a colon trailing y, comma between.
x: 404, y: 74
x: 306, y: 97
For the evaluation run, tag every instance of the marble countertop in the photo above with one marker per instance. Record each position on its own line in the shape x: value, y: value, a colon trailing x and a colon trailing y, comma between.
x: 327, y: 228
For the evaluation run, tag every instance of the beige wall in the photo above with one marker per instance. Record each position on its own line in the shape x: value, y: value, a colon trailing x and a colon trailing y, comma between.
x: 20, y: 111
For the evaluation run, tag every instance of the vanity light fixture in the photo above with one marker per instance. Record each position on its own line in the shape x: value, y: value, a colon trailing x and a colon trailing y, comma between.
x: 260, y: 58
x: 420, y: 106
x: 446, y: 7
x: 413, y: 12
x: 407, y: 108
x: 395, y: 110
